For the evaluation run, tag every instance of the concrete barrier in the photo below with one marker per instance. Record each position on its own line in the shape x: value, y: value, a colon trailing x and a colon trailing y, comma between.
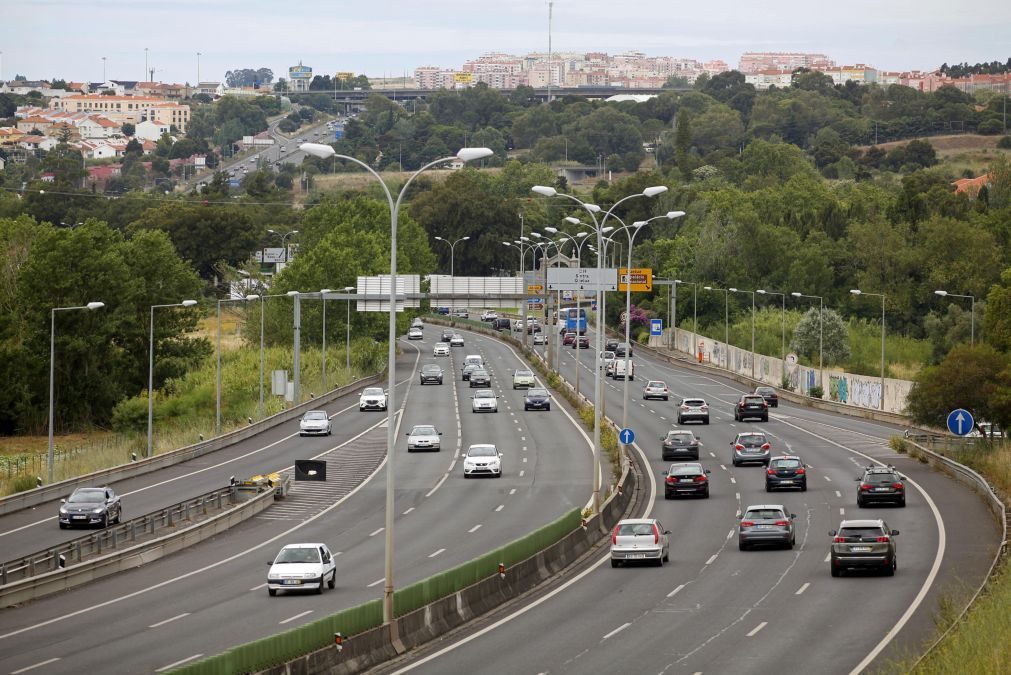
x: 53, y: 491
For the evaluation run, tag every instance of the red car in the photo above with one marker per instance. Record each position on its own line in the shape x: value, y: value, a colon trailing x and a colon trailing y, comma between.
x: 570, y: 338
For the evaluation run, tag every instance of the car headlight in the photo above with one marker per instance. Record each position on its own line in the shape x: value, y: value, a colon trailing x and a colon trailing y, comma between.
x: 98, y: 510
x: 63, y: 509
x: 273, y: 577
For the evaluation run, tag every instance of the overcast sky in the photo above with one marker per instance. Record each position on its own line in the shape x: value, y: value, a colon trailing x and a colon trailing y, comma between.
x: 68, y: 38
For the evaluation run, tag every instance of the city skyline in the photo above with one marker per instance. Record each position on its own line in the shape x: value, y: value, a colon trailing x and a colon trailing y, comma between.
x: 231, y: 34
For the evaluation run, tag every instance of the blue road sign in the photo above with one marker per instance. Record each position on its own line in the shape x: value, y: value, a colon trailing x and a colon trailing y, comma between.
x: 534, y: 301
x: 626, y: 436
x: 960, y: 422
x: 656, y: 327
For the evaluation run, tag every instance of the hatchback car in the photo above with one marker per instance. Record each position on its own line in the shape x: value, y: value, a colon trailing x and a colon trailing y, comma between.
x: 621, y: 348
x: 415, y: 334
x: 461, y: 313
x: 91, y: 506
x: 582, y: 342
x: 523, y: 379
x: 753, y: 406
x: 480, y: 378
x: 418, y: 323
x: 484, y: 400
x: 302, y: 567
x: 605, y: 359
x: 468, y: 370
x: 482, y: 460
x: 533, y: 327
x: 863, y: 544
x: 686, y: 478
x: 447, y: 335
x: 569, y: 339
x: 456, y: 340
x: 680, y: 444
x: 769, y: 394
x: 693, y: 409
x: 610, y: 345
x: 314, y: 422
x: 430, y: 372
x: 751, y: 446
x: 639, y: 539
x: 537, y: 399
x: 424, y: 437
x: 655, y: 389
x: 786, y: 471
x: 881, y: 484
x: 372, y: 398
x: 766, y: 524
x: 540, y: 339
x: 440, y: 349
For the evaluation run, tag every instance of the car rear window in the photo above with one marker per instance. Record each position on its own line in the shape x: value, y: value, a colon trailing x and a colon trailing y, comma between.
x: 751, y: 438
x: 686, y: 470
x: 786, y: 464
x: 628, y: 529
x: 655, y: 383
x: 754, y: 399
x: 881, y: 478
x: 680, y: 437
x: 765, y: 390
x: 694, y: 402
x: 764, y: 514
x: 860, y: 532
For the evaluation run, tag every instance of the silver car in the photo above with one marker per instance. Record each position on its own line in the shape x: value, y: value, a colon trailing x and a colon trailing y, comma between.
x: 655, y: 389
x: 639, y: 539
x: 424, y: 437
x: 415, y: 334
x: 751, y: 446
x: 863, y: 544
x: 484, y: 400
x: 314, y: 422
x: 766, y: 524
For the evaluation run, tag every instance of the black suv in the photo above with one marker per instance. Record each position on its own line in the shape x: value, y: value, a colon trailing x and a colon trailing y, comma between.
x: 769, y: 394
x: 619, y: 350
x: 881, y: 484
x: 430, y: 372
x: 480, y: 378
x: 680, y: 444
x: 610, y: 345
x: 447, y: 335
x: 751, y: 405
x: 501, y: 323
x: 786, y: 471
x: 686, y: 478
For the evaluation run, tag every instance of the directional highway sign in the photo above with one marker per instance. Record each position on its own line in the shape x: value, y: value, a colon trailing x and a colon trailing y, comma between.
x: 655, y: 327
x: 626, y: 436
x: 641, y: 278
x: 582, y: 279
x: 960, y: 422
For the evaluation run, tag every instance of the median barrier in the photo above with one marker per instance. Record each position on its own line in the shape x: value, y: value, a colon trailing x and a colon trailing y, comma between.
x: 53, y: 491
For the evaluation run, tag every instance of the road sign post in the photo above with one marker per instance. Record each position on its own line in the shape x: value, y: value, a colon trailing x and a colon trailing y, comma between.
x: 960, y: 422
x: 655, y: 327
x: 626, y: 436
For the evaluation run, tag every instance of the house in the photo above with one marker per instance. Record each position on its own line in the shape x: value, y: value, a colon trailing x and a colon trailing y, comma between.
x: 97, y: 126
x: 98, y: 150
x: 100, y: 175
x: 971, y: 186
x: 152, y: 130
x: 30, y: 142
x: 210, y: 88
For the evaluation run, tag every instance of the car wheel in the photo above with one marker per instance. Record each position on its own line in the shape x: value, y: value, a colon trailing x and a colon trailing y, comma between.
x: 301, y: 434
x: 333, y: 580
x: 860, y: 503
x: 119, y: 516
x: 890, y: 570
x: 768, y: 488
x: 271, y: 592
x: 105, y: 521
x: 667, y: 495
x: 836, y: 572
x: 741, y: 546
x: 803, y: 488
x: 548, y: 407
x: 614, y: 563
x: 903, y: 502
x: 736, y: 463
x: 705, y: 495
x: 63, y: 526
x: 319, y: 589
x: 526, y: 407
x: 736, y: 418
x: 705, y: 421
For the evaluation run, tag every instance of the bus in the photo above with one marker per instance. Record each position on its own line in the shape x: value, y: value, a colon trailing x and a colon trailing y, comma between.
x: 571, y: 321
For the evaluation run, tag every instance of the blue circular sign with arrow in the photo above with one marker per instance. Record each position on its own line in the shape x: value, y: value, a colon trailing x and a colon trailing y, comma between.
x: 960, y: 422
x: 626, y: 436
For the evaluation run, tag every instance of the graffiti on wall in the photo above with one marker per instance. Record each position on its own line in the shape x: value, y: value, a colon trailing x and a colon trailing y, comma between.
x: 810, y: 380
x: 838, y: 388
x: 865, y: 394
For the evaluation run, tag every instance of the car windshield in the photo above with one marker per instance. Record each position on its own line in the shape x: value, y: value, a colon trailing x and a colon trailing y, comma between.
x: 686, y: 469
x: 373, y: 391
x: 861, y: 532
x: 298, y: 555
x: 765, y: 391
x: 537, y: 392
x: 630, y: 529
x: 764, y: 514
x: 751, y: 439
x: 881, y: 478
x: 484, y: 393
x: 680, y: 437
x: 693, y: 402
x: 87, y: 496
x: 786, y: 463
x: 457, y: 336
x: 482, y: 451
x: 431, y: 368
x: 315, y: 415
x: 656, y: 384
x: 607, y: 355
x: 524, y: 373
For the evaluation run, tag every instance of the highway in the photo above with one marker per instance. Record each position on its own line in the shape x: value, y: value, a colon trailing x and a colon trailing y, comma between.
x: 212, y: 596
x: 715, y: 609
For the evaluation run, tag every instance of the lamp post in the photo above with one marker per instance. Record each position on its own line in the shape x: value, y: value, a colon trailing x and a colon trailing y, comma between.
x: 322, y: 298
x: 857, y: 291
x: 284, y: 237
x: 762, y: 291
x: 52, y: 361
x: 217, y: 387
x: 726, y: 324
x: 262, y: 303
x: 347, y: 339
x: 554, y: 341
x: 734, y: 290
x: 972, y: 309
x: 150, y: 374
x: 452, y: 255
x: 821, y: 328
x: 523, y: 247
x: 326, y: 152
x: 695, y: 309
x: 577, y: 243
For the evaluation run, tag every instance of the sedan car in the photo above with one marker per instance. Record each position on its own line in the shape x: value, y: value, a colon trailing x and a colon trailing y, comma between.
x: 372, y: 398
x: 753, y: 406
x: 440, y: 349
x: 537, y: 399
x: 447, y: 335
x: 533, y: 327
x: 415, y: 334
x: 680, y: 444
x: 786, y: 471
x: 610, y: 345
x: 430, y: 372
x: 568, y: 339
x: 769, y: 394
x: 302, y: 567
x: 863, y: 544
x: 751, y: 446
x: 456, y: 340
x: 480, y: 377
x: 621, y: 348
x: 639, y: 539
x: 461, y: 313
x: 540, y: 339
x: 686, y: 478
x: 424, y: 437
x: 766, y: 524
x: 523, y: 379
x: 468, y: 370
x: 881, y: 484
x: 484, y: 400
x: 91, y: 506
x: 314, y: 422
x: 655, y: 389
x: 582, y: 342
x: 693, y: 409
x: 489, y: 315
x: 482, y: 459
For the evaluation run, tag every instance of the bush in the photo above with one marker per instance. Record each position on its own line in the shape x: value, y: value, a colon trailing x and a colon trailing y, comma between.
x: 22, y: 483
x: 1004, y: 143
x: 990, y: 127
x: 816, y: 392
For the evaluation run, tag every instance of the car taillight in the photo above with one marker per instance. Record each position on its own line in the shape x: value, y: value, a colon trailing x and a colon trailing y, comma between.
x: 656, y: 534
x: 764, y: 404
x: 882, y: 540
x: 738, y: 446
x: 765, y: 446
x: 705, y: 407
x: 898, y: 486
x: 864, y: 487
x: 747, y: 523
x: 839, y: 540
x: 771, y: 472
x: 801, y: 472
x: 684, y: 407
x: 614, y: 536
x: 782, y: 523
x: 670, y: 479
x: 701, y: 479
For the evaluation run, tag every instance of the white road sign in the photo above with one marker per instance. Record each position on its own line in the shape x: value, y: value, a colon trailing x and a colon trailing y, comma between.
x: 582, y: 279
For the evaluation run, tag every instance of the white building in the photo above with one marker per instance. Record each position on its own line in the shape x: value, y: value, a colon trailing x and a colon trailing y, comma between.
x: 152, y: 130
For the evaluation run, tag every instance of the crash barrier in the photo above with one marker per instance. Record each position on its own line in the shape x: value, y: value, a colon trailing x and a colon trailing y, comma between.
x: 53, y: 491
x: 98, y: 555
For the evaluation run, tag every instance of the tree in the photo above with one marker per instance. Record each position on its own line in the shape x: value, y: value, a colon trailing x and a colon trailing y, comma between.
x: 249, y: 77
x: 998, y: 316
x: 129, y: 129
x: 682, y: 144
x: 976, y: 378
x: 835, y: 345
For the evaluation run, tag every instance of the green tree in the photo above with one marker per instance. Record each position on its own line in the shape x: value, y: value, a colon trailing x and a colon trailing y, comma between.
x: 976, y: 378
x: 834, y: 336
x: 998, y: 316
x: 682, y: 144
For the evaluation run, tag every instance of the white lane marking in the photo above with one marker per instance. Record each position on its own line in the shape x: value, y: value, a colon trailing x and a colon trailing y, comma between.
x: 838, y: 494
x: 441, y: 550
x: 377, y: 582
x: 712, y: 454
x: 524, y: 460
x: 733, y: 480
x: 617, y: 630
x: 377, y: 531
x: 441, y: 481
x: 675, y: 591
x: 730, y: 534
x: 713, y: 557
x: 723, y: 466
x: 842, y: 511
x: 521, y: 473
x: 474, y: 529
x: 827, y: 478
x: 293, y: 618
x: 828, y: 556
x: 803, y: 588
x: 256, y: 588
x: 499, y: 508
x: 737, y: 496
x: 408, y: 511
x: 162, y: 623
x: 757, y: 628
x: 44, y: 663
x: 173, y: 665
x: 513, y: 491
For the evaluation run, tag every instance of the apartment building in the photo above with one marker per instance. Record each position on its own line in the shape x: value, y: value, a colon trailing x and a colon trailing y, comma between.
x: 755, y: 62
x: 121, y: 109
x: 764, y: 79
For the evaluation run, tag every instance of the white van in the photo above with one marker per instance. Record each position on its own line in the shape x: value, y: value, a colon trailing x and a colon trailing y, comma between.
x: 473, y: 359
x: 617, y: 369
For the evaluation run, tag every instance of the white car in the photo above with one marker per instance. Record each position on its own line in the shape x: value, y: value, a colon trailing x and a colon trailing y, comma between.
x: 524, y: 379
x: 314, y: 422
x: 372, y: 398
x: 605, y: 360
x: 440, y: 349
x: 461, y: 313
x: 655, y: 389
x: 639, y: 539
x: 456, y: 340
x: 540, y: 339
x: 424, y: 437
x: 418, y: 323
x: 482, y: 460
x: 415, y: 334
x: 302, y: 567
x: 517, y: 325
x: 484, y: 400
x: 489, y: 315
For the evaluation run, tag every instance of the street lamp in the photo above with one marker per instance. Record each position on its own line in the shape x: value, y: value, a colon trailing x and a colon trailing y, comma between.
x: 695, y: 310
x: 762, y: 291
x: 322, y: 297
x: 734, y: 290
x: 452, y: 247
x: 326, y: 152
x: 52, y: 361
x: 284, y: 238
x: 972, y: 312
x: 821, y: 328
x: 553, y: 346
x: 523, y: 246
x: 857, y: 291
x: 577, y: 243
x: 150, y: 374
x: 347, y: 324
x: 262, y: 298
x: 726, y: 323
x: 217, y: 387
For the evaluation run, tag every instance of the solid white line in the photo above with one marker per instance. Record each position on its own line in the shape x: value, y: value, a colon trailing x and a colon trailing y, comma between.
x: 712, y: 558
x: 173, y: 665
x: 475, y: 528
x: 723, y: 466
x: 828, y: 556
x: 297, y: 616
x: 39, y: 665
x: 757, y: 628
x: 256, y: 588
x: 162, y: 623
x: 675, y: 591
x: 377, y: 531
x: 441, y: 481
x: 803, y: 588
x: 712, y: 454
x: 513, y: 491
x: 521, y: 473
x: 408, y: 511
x: 730, y: 534
x: 617, y: 630
x: 499, y: 508
x: 737, y: 496
x: 827, y: 478
x: 376, y: 583
x: 441, y: 550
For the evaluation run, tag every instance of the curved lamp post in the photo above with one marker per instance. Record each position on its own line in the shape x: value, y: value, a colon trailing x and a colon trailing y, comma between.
x: 735, y: 290
x: 452, y: 253
x: 972, y: 312
x: 857, y: 291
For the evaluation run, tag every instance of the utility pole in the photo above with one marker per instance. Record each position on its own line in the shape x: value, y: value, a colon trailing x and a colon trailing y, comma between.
x: 146, y: 70
x: 550, y: 8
